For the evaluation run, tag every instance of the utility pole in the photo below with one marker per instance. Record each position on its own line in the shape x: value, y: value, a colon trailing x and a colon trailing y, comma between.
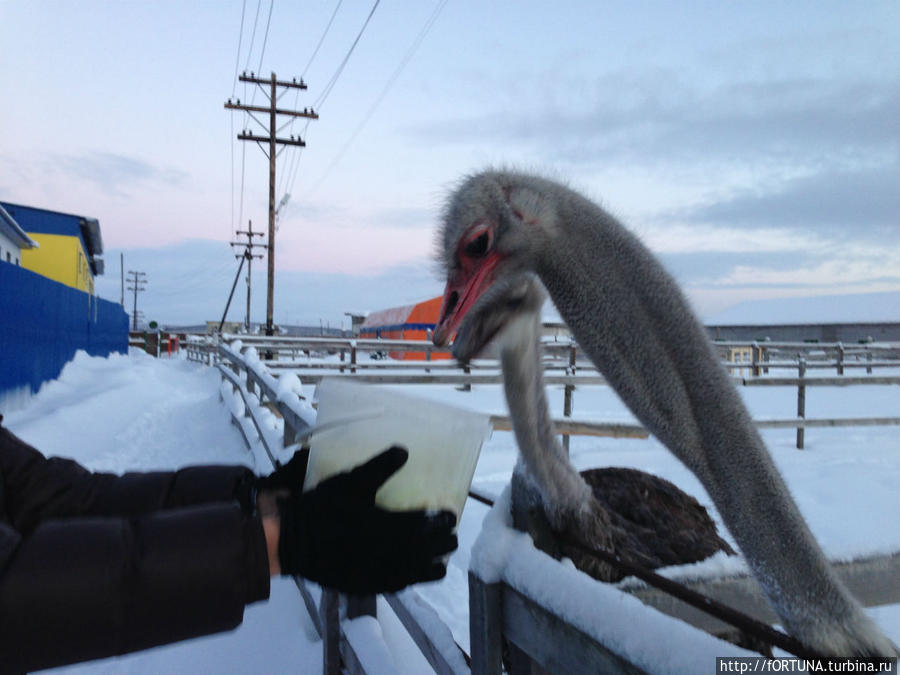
x: 271, y: 140
x: 136, y: 278
x: 122, y: 275
x: 248, y: 255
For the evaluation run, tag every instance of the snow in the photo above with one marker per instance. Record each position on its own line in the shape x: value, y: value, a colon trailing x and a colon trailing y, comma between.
x: 136, y: 412
x: 366, y: 638
x: 662, y: 645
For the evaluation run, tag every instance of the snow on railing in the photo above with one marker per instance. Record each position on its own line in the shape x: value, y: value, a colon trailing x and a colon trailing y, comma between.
x: 356, y: 643
x: 565, y: 368
x: 520, y: 600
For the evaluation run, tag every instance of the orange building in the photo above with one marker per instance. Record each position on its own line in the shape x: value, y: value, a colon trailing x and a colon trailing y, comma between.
x: 410, y: 322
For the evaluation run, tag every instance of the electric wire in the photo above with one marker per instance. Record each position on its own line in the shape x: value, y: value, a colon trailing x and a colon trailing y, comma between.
x: 265, y: 38
x: 257, y: 86
x: 244, y: 145
x: 340, y: 69
x: 295, y: 152
x: 321, y: 40
x: 252, y: 38
x: 237, y: 60
x: 407, y: 57
x: 237, y: 63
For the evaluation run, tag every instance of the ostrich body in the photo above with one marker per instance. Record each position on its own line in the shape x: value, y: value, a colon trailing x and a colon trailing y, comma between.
x: 643, y: 518
x: 500, y: 229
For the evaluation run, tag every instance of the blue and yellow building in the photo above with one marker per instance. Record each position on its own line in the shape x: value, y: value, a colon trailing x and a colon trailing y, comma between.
x: 69, y: 247
x: 48, y: 309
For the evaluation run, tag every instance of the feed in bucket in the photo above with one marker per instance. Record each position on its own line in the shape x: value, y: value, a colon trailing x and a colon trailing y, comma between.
x: 359, y: 421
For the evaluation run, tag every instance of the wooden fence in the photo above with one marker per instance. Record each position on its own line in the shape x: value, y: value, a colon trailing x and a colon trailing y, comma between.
x: 566, y: 366
x: 502, y: 618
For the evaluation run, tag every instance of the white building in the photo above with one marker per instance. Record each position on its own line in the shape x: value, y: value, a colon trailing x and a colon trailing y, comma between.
x: 12, y: 239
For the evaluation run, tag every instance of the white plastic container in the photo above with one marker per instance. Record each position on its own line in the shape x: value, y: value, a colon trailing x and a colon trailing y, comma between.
x: 359, y: 421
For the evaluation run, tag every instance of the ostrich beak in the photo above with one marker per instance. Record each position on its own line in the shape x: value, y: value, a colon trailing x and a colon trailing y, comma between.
x: 464, y: 287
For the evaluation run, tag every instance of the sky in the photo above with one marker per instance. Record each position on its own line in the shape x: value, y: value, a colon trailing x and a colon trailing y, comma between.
x: 754, y: 146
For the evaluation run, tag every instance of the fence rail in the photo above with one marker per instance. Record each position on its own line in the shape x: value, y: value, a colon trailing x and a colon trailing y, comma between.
x: 499, y: 615
x: 565, y: 367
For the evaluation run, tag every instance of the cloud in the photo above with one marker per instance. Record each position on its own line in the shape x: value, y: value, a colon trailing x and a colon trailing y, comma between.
x: 842, y: 204
x: 117, y: 174
x: 656, y: 117
x: 188, y: 283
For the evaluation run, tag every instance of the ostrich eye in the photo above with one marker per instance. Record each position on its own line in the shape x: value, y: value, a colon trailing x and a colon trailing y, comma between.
x: 478, y: 246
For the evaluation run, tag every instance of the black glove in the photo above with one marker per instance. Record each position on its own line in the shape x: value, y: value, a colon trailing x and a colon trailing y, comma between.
x: 288, y: 476
x: 336, y: 536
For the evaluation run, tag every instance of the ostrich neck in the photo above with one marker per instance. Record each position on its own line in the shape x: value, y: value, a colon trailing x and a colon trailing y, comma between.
x: 547, y: 464
x: 629, y: 316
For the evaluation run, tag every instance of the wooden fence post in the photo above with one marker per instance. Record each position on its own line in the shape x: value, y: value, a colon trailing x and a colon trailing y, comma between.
x: 567, y: 396
x: 361, y: 605
x: 353, y: 357
x: 331, y: 633
x: 290, y: 434
x: 485, y: 626
x: 251, y: 386
x: 754, y: 359
x: 801, y: 401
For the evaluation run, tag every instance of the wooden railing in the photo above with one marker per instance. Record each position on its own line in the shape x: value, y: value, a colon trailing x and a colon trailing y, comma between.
x: 500, y: 617
x: 566, y: 366
x: 256, y: 387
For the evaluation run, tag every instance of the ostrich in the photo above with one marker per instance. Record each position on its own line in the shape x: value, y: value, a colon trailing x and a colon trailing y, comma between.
x: 502, y: 229
x: 643, y: 518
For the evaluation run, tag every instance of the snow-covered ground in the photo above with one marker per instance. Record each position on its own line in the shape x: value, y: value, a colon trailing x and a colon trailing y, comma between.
x: 134, y: 412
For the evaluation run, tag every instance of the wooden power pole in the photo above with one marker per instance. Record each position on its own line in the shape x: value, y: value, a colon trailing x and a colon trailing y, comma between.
x: 136, y: 279
x: 267, y: 143
x: 248, y: 255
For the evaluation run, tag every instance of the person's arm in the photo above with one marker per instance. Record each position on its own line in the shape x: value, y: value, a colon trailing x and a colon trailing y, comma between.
x: 86, y: 588
x: 37, y: 488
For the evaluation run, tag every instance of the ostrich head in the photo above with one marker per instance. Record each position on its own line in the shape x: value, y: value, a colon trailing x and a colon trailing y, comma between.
x: 491, y: 234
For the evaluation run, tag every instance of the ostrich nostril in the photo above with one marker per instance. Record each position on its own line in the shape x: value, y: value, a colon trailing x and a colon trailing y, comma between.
x: 452, y: 299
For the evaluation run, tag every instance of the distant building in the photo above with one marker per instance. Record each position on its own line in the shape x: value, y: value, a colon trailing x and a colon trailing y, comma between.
x: 227, y: 327
x: 69, y: 247
x: 13, y: 239
x: 410, y: 322
x: 48, y: 310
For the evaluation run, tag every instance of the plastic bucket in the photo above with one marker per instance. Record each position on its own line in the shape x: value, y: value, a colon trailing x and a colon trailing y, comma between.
x: 359, y: 421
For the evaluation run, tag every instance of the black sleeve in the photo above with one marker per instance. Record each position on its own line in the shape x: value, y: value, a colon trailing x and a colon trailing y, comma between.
x: 36, y: 488
x: 87, y: 588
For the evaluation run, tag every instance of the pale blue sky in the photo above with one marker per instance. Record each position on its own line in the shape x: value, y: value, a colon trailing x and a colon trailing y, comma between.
x: 754, y: 146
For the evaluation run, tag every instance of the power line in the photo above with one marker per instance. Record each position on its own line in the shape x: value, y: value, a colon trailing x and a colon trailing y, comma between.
x: 293, y: 166
x: 407, y: 57
x: 321, y: 39
x: 266, y: 36
x: 237, y: 61
x: 252, y: 39
x: 340, y: 69
x: 287, y: 177
x: 243, y: 148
